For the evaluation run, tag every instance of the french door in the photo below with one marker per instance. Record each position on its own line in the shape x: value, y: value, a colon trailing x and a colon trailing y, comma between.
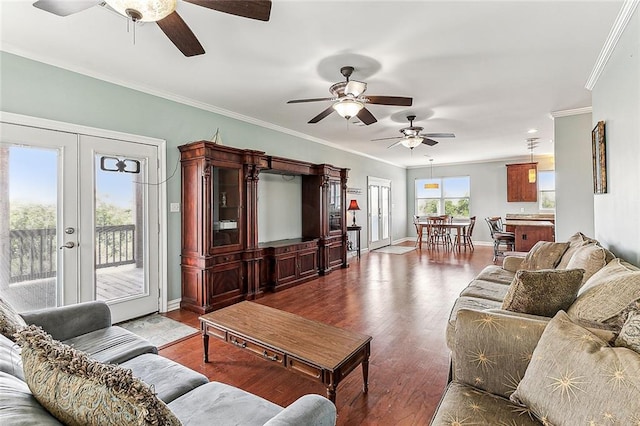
x: 78, y: 221
x: 379, y: 223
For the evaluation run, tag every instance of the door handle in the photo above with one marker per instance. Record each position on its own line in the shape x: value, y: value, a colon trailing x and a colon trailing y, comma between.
x: 68, y: 244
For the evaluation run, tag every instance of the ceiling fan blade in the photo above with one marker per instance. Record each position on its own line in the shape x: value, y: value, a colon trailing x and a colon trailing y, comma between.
x: 256, y: 9
x: 390, y: 100
x: 322, y: 115
x: 386, y: 139
x: 438, y: 135
x: 366, y: 117
x: 355, y: 88
x: 299, y: 101
x: 429, y: 142
x: 395, y: 144
x: 181, y: 35
x: 64, y: 8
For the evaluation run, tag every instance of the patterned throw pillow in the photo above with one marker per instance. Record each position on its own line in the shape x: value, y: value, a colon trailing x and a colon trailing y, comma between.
x: 543, y: 255
x: 575, y: 378
x: 629, y: 336
x: 606, y: 296
x: 10, y: 320
x: 543, y: 292
x: 81, y: 391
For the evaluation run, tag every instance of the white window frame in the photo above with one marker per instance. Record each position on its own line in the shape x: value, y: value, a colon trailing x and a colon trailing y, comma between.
x: 442, y: 200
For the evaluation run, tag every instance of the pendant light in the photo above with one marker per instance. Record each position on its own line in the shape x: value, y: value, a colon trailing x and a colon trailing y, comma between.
x: 533, y: 173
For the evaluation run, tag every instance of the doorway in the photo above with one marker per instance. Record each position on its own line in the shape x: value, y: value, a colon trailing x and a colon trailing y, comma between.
x: 80, y: 219
x: 379, y: 207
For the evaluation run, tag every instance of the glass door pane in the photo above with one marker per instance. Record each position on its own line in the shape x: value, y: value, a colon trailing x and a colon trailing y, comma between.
x: 374, y: 208
x: 226, y: 206
x: 28, y: 219
x: 119, y: 227
x: 384, y: 211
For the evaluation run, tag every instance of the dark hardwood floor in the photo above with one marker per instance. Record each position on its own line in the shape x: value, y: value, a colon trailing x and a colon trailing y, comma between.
x: 403, y: 301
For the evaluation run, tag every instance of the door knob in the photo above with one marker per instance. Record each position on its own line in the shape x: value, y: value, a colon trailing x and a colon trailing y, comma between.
x: 68, y: 244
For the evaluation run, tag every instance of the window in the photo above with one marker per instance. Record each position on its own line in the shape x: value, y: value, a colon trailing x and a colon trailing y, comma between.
x: 448, y: 195
x: 547, y: 189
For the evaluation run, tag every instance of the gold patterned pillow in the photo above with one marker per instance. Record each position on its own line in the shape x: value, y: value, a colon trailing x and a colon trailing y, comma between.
x: 80, y: 391
x: 543, y: 292
x: 575, y: 378
x: 543, y: 255
x: 629, y: 336
x: 10, y: 320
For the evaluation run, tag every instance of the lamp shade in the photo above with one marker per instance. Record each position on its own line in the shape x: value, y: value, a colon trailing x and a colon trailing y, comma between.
x: 353, y: 205
x: 347, y: 108
x: 144, y: 10
x: 411, y: 141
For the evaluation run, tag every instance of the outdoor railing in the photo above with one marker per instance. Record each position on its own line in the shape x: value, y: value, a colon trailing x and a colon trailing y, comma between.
x: 34, y: 251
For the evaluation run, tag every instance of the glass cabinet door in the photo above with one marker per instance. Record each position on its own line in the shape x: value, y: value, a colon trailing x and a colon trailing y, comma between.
x: 335, y: 206
x: 226, y: 202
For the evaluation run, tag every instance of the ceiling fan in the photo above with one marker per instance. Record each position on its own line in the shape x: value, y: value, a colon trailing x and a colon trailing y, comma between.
x: 411, y: 136
x: 163, y: 13
x: 348, y: 100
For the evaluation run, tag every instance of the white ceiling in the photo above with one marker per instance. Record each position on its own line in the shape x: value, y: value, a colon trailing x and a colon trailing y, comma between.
x: 486, y: 71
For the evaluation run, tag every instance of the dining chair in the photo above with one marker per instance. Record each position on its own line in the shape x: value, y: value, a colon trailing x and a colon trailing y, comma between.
x: 500, y: 236
x: 419, y: 235
x: 438, y: 234
x: 465, y: 238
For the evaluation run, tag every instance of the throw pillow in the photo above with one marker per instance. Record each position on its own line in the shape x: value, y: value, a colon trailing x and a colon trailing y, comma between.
x: 575, y: 241
x: 606, y: 296
x: 629, y: 336
x: 10, y: 320
x: 543, y: 292
x: 80, y: 391
x: 575, y: 378
x: 543, y: 255
x: 589, y: 257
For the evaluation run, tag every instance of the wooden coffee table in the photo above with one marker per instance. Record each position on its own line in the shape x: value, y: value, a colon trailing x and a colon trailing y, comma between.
x: 319, y: 351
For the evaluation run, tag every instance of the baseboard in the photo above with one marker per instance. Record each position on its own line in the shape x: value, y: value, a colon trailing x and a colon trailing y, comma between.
x: 174, y: 304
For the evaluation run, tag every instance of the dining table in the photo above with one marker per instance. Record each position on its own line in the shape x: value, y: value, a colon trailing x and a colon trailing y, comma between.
x: 459, y: 226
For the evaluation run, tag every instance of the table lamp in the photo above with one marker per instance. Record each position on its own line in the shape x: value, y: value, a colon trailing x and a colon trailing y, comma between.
x: 353, y: 206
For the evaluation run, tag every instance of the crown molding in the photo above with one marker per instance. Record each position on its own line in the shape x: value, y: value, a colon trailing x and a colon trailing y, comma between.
x: 625, y: 14
x: 516, y: 159
x: 568, y: 112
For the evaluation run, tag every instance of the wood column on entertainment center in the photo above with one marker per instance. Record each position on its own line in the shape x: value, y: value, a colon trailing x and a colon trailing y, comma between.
x: 222, y: 261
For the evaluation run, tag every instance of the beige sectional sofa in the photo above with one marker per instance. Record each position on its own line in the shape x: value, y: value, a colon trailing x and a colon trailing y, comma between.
x: 572, y: 365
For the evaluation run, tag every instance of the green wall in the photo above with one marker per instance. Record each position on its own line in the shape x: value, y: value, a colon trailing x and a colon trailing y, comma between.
x: 35, y: 89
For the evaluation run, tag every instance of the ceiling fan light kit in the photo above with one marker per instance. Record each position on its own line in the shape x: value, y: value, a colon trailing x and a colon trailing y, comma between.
x: 348, y: 107
x: 143, y: 10
x: 411, y: 141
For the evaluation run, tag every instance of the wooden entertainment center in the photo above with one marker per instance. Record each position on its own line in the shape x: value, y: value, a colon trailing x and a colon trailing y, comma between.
x: 222, y: 261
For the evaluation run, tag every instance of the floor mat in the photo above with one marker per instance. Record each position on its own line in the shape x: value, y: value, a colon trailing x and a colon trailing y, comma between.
x: 395, y: 249
x: 159, y: 330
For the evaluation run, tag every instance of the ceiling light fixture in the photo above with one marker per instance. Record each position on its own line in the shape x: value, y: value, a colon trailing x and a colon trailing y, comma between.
x: 348, y: 107
x: 532, y: 131
x: 411, y: 141
x: 143, y: 10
